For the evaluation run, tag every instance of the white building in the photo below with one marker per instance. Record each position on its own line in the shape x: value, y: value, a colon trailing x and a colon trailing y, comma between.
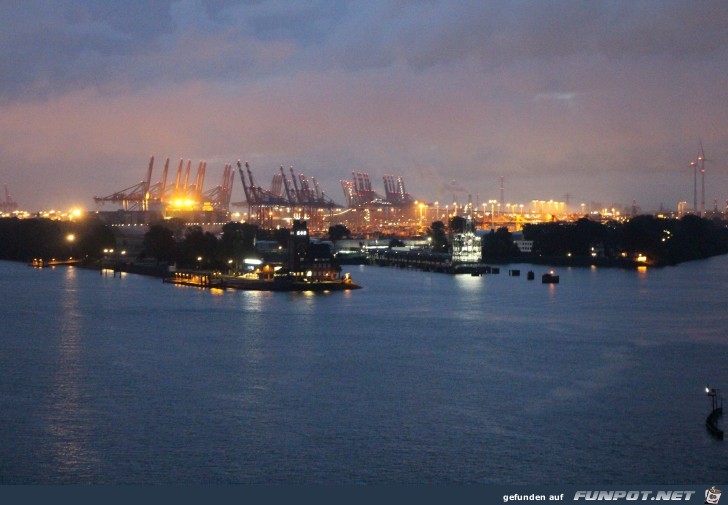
x: 467, y: 246
x: 525, y: 246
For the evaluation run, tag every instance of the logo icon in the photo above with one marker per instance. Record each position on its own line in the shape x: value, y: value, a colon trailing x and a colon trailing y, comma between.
x: 712, y: 496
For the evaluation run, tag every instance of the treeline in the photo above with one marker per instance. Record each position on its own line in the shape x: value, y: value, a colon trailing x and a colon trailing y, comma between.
x: 26, y: 239
x: 662, y: 241
x: 191, y: 247
x: 169, y: 241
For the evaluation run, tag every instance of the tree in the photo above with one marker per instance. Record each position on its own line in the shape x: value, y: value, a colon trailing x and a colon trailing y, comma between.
x: 457, y: 224
x: 178, y: 227
x: 198, y: 244
x: 159, y: 243
x: 238, y: 241
x: 93, y: 237
x: 694, y: 237
x: 280, y: 235
x: 643, y: 234
x: 338, y: 232
x: 40, y: 238
x: 499, y: 244
x: 438, y: 237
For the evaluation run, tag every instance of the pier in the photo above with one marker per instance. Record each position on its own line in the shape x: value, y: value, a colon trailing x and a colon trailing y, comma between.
x: 422, y: 260
x: 196, y: 279
x: 442, y: 262
x: 41, y: 263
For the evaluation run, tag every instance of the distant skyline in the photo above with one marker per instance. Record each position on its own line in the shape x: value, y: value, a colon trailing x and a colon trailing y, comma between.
x: 603, y: 101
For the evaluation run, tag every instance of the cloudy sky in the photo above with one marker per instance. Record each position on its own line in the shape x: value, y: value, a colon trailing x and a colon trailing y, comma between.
x: 604, y: 101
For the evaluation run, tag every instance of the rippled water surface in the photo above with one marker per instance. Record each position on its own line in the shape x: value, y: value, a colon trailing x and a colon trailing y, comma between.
x: 417, y: 378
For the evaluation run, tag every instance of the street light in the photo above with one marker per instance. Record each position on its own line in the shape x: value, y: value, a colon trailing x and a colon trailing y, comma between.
x: 713, y: 393
x: 70, y: 238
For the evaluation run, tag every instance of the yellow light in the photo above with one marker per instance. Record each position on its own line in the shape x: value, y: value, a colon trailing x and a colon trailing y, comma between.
x: 70, y: 237
x: 641, y: 258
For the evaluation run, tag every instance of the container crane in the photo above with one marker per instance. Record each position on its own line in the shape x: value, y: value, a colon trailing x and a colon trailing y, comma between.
x: 8, y: 205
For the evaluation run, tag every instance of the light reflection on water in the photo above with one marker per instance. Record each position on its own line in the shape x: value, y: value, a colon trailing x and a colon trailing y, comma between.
x: 418, y: 377
x: 67, y: 415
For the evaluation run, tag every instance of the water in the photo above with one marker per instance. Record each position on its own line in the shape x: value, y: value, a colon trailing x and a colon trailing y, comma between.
x: 417, y: 378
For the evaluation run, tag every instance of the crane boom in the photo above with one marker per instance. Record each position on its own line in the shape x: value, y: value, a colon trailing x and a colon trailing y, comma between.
x: 187, y: 177
x: 287, y: 187
x: 295, y: 187
x: 179, y: 177
x: 164, y: 180
x: 148, y: 180
x: 242, y: 179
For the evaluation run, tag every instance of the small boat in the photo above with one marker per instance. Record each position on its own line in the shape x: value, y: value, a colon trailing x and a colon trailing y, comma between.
x: 549, y: 278
x: 41, y: 263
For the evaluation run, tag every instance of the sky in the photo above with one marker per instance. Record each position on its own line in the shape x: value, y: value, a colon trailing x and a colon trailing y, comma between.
x: 592, y: 102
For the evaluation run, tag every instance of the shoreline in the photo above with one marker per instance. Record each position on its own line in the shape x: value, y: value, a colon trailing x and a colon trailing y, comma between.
x: 161, y: 270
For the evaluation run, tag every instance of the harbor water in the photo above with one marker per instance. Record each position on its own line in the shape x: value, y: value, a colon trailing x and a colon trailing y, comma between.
x: 417, y: 378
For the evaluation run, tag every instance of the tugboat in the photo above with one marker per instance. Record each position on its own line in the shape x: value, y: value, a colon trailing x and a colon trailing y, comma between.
x: 549, y: 278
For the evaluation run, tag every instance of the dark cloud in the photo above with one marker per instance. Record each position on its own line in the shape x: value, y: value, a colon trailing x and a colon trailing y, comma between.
x: 54, y: 46
x: 559, y: 96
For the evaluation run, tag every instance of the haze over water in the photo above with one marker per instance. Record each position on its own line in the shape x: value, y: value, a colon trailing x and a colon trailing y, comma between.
x: 417, y: 378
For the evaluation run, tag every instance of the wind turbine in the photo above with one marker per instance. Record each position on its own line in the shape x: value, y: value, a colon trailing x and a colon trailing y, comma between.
x: 701, y: 163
